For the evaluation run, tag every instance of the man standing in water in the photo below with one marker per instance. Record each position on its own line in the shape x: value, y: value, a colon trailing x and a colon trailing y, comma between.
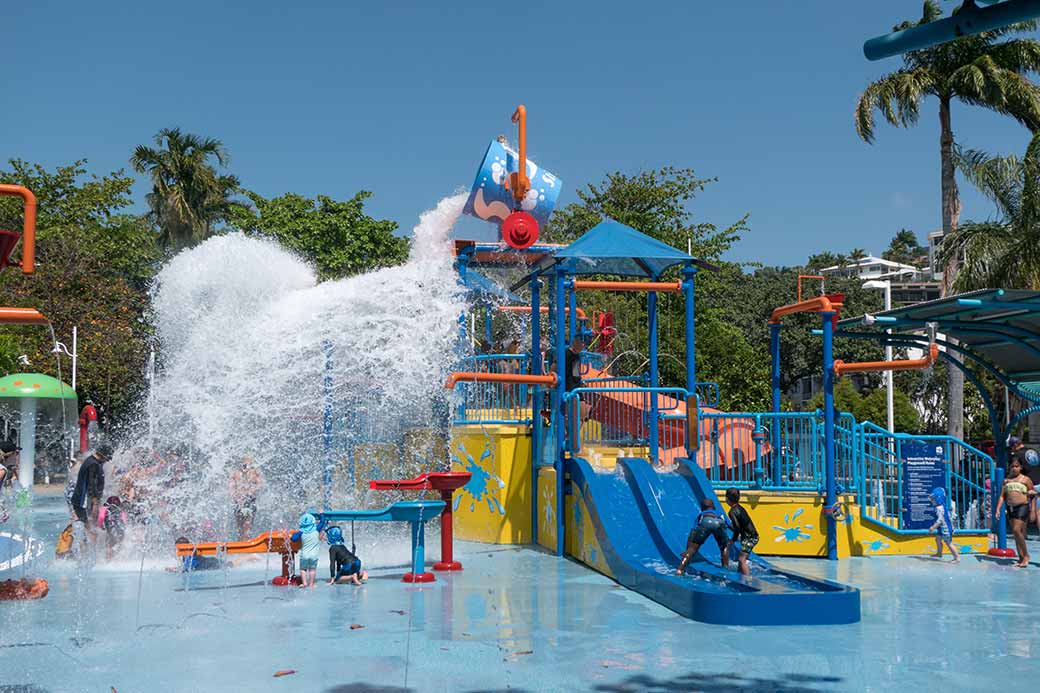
x: 244, y: 486
x: 90, y: 487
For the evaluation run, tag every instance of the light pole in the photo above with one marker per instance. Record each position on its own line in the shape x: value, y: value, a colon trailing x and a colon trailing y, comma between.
x: 60, y: 348
x: 886, y: 286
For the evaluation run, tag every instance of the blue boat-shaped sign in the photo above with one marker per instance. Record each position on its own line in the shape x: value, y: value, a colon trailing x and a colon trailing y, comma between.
x: 17, y: 550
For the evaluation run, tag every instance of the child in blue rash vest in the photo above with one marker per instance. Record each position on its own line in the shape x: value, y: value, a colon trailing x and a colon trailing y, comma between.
x: 310, y: 543
x: 709, y: 523
x: 344, y: 566
x: 943, y: 528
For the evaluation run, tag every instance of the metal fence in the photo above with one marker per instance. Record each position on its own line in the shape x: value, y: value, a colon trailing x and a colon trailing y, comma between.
x: 494, y: 403
x: 882, y: 479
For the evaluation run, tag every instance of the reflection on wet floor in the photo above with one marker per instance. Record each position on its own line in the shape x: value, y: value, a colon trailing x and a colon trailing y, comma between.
x: 514, y: 619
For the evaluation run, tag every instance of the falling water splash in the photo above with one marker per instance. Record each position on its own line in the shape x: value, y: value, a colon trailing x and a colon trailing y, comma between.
x: 241, y: 324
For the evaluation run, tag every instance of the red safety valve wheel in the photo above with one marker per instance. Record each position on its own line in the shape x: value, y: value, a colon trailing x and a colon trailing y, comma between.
x: 520, y: 230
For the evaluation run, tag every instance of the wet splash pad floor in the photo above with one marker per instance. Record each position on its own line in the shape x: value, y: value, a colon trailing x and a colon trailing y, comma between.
x: 516, y: 619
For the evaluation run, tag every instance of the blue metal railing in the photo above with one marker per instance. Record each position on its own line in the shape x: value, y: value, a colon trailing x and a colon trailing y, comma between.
x: 493, y: 403
x: 880, y: 478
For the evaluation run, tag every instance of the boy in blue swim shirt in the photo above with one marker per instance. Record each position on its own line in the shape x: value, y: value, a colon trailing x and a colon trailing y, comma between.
x: 344, y: 566
x: 709, y: 523
x: 943, y: 528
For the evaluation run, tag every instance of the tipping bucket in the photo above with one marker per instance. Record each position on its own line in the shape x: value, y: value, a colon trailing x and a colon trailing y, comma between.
x: 491, y: 201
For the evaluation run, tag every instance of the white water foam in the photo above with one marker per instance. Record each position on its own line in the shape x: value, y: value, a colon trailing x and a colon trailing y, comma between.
x: 245, y: 331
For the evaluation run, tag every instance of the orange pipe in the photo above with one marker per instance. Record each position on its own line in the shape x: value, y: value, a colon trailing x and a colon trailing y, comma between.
x: 841, y: 368
x: 513, y: 378
x: 22, y: 316
x: 670, y: 287
x: 519, y: 182
x: 28, y: 224
x: 544, y: 309
x: 820, y: 304
x: 809, y: 276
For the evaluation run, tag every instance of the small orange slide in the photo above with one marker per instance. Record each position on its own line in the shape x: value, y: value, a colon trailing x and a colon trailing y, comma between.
x: 268, y: 542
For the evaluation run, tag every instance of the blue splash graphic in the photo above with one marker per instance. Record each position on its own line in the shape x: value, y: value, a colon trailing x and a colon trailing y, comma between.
x: 965, y: 548
x: 483, y: 485
x: 791, y: 531
x: 875, y: 546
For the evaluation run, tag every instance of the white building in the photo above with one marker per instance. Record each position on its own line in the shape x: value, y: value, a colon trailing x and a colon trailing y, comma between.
x: 871, y: 267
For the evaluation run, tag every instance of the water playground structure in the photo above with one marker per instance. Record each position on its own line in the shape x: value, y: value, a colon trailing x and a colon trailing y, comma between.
x: 611, y: 471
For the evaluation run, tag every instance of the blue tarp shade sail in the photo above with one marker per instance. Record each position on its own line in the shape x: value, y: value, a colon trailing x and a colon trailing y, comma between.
x: 610, y: 247
x: 481, y: 288
x: 1002, y: 326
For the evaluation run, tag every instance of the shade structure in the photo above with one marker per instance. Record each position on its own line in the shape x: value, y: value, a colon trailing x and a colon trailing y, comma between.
x: 32, y: 396
x: 611, y: 247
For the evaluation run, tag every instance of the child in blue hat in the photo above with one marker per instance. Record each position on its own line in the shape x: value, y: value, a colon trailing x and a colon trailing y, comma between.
x: 310, y: 543
x: 943, y: 528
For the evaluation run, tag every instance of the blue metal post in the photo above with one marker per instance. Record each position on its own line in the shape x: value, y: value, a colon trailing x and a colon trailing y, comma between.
x: 560, y: 390
x: 418, y: 548
x: 572, y: 318
x: 774, y: 352
x: 536, y: 400
x: 831, y: 500
x: 689, y: 273
x: 326, y: 477
x: 651, y: 327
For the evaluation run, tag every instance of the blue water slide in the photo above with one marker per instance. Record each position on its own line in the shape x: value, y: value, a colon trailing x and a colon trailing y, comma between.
x: 642, y: 518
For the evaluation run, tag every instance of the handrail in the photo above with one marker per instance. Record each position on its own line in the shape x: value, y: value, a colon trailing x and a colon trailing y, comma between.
x: 543, y: 309
x: 820, y: 304
x: 670, y: 287
x: 514, y: 378
x: 599, y: 390
x: 809, y: 276
x: 519, y: 183
x: 28, y: 223
x: 22, y: 316
x: 841, y: 368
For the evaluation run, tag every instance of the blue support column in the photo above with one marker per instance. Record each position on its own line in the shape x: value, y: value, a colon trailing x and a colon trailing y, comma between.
x: 831, y: 500
x: 488, y: 332
x: 327, y: 465
x: 572, y: 316
x: 651, y: 327
x: 561, y: 389
x: 536, y: 401
x: 689, y: 273
x: 774, y: 353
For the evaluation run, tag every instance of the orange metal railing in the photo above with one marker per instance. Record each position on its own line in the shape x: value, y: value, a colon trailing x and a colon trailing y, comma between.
x: 22, y: 316
x: 841, y: 368
x: 670, y: 287
x: 28, y: 223
x: 548, y: 380
x: 543, y: 309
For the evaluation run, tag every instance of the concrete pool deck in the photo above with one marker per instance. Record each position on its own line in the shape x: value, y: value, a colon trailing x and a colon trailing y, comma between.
x: 515, y: 619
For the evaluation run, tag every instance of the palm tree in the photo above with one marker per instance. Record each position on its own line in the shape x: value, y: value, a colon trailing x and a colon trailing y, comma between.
x: 988, y: 69
x: 856, y: 254
x: 1004, y: 253
x: 188, y: 195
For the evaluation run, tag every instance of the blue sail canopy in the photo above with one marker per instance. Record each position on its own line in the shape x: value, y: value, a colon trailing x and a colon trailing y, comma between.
x: 611, y: 247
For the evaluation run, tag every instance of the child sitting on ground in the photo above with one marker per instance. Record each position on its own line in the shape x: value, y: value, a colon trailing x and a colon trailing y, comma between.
x: 189, y: 564
x: 344, y: 566
x: 709, y: 523
x: 112, y: 519
x: 943, y: 528
x: 743, y: 529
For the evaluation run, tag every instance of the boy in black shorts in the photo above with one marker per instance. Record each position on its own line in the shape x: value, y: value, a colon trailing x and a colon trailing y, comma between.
x: 344, y: 566
x: 743, y: 528
x: 709, y: 523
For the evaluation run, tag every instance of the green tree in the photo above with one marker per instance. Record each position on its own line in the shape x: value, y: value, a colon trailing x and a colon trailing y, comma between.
x: 94, y: 263
x: 1005, y: 252
x: 904, y: 248
x: 339, y: 238
x: 189, y: 196
x: 855, y: 255
x: 989, y: 70
x: 872, y: 405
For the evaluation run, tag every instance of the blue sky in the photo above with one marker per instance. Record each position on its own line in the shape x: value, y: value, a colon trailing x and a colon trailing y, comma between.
x: 401, y: 98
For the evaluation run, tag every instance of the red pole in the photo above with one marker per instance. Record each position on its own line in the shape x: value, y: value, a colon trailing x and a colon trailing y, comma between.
x: 447, y: 562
